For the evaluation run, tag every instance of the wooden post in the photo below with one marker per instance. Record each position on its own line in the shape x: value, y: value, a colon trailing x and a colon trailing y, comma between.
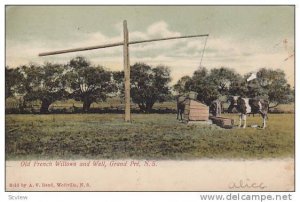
x: 126, y: 72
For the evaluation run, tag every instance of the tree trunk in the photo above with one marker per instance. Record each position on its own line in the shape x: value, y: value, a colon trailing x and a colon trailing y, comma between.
x: 22, y: 105
x: 149, y: 106
x: 45, y: 107
x: 86, y: 105
x: 142, y: 107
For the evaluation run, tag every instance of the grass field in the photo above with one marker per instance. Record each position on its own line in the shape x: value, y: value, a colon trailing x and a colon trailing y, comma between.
x: 155, y: 136
x: 117, y: 102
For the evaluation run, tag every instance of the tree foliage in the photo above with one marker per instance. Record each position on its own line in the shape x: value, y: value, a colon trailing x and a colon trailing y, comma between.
x: 42, y: 83
x: 219, y: 82
x: 272, y: 85
x: 88, y: 83
x: 13, y: 79
x: 149, y: 85
x: 200, y: 83
x: 224, y: 79
x: 118, y: 77
x: 182, y: 85
x: 84, y: 82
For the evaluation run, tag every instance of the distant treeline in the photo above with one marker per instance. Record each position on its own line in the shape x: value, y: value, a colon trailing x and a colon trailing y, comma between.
x: 87, y: 83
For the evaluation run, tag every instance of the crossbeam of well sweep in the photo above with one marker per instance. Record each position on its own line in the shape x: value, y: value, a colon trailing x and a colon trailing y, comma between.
x: 116, y: 44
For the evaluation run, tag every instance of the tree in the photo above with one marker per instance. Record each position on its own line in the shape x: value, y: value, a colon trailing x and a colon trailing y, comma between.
x: 88, y: 83
x: 44, y: 83
x: 213, y: 84
x: 254, y: 89
x: 271, y: 84
x: 238, y: 87
x: 149, y: 85
x: 13, y: 79
x: 118, y: 77
x: 181, y: 87
x: 203, y: 85
x: 226, y: 80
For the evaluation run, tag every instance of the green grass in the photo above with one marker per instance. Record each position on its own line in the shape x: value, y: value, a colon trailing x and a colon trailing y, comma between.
x: 118, y: 102
x: 110, y: 102
x: 155, y: 136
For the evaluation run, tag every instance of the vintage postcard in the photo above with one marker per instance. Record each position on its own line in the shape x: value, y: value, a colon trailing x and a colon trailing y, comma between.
x: 149, y: 98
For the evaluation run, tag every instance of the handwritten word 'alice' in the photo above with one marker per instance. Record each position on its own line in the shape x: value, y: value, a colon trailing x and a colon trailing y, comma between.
x: 244, y: 184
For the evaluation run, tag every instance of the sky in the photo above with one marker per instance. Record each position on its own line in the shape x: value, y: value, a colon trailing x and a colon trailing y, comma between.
x: 244, y: 38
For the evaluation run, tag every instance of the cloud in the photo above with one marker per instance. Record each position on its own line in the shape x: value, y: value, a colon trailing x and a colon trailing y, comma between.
x: 183, y: 56
x: 96, y: 38
x: 161, y: 29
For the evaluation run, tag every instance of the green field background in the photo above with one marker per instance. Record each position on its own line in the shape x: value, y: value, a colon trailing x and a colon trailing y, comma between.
x: 149, y: 136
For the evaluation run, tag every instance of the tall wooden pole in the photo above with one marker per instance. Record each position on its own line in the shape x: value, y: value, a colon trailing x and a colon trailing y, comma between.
x: 126, y: 72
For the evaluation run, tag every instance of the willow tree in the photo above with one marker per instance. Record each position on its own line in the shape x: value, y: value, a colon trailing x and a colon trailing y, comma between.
x: 88, y: 83
x: 44, y: 83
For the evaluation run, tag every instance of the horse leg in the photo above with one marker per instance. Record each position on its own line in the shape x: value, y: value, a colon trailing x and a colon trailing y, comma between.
x: 177, y: 114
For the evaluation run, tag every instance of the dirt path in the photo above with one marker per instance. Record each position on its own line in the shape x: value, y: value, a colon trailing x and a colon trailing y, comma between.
x: 140, y: 175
